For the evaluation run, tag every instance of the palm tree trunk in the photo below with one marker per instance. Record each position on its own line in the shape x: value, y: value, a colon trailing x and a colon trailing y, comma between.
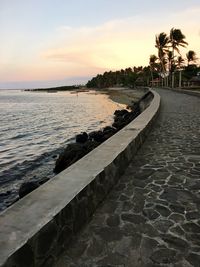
x: 151, y: 78
x: 172, y: 79
x: 180, y: 79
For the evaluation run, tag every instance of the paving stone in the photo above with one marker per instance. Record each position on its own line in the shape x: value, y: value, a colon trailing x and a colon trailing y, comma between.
x: 175, y: 242
x: 138, y: 183
x: 194, y: 259
x: 194, y: 238
x: 163, y: 225
x: 191, y: 227
x: 151, y: 214
x: 177, y: 208
x: 109, y: 234
x: 127, y: 205
x: 169, y: 194
x: 165, y: 212
x: 162, y: 202
x: 112, y: 259
x: 177, y: 230
x: 113, y: 220
x: 146, y: 247
x: 176, y: 217
x: 148, y: 230
x: 95, y: 248
x: 182, y: 263
x: 136, y: 219
x: 76, y: 249
x: 192, y: 215
x: 164, y: 256
x: 123, y: 197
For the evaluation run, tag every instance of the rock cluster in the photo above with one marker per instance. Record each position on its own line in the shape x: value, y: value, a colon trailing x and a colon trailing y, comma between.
x: 87, y: 142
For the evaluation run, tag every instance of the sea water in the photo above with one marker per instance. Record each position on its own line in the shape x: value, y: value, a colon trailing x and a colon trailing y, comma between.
x: 36, y: 126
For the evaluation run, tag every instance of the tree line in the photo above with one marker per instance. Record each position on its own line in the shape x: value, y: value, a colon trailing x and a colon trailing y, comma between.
x: 168, y: 67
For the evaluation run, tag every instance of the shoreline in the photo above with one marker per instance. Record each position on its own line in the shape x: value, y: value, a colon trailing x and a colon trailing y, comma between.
x: 123, y: 95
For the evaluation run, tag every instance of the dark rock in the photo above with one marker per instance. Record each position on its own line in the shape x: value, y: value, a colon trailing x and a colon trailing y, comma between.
x: 97, y: 136
x: 119, y: 124
x: 26, y: 188
x: 108, y: 132
x: 72, y: 153
x: 43, y: 181
x: 123, y: 117
x: 102, y: 135
x: 109, y: 129
x: 121, y: 112
x: 82, y: 138
x: 90, y: 145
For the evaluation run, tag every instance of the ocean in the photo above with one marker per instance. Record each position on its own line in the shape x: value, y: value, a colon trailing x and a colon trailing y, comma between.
x: 36, y: 126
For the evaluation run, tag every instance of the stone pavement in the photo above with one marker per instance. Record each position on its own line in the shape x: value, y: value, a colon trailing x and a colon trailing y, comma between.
x: 152, y: 216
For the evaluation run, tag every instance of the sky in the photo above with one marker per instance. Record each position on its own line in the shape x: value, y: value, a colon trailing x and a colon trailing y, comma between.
x: 47, y: 43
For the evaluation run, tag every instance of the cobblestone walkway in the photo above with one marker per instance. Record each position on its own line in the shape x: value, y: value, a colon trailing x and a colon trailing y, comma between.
x: 152, y: 216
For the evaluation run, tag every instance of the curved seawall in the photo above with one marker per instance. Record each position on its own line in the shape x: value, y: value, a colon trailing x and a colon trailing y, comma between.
x: 36, y: 229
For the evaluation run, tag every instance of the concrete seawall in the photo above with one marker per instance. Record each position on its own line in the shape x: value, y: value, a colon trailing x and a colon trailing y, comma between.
x: 36, y: 229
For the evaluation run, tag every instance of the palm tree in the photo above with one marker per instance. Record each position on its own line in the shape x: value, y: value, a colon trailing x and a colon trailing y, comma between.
x: 152, y: 63
x: 179, y: 65
x: 176, y: 40
x: 191, y: 56
x: 162, y: 41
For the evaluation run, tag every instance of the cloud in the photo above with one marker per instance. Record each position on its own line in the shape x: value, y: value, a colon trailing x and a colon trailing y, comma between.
x: 87, y: 50
x: 110, y: 45
x: 119, y: 43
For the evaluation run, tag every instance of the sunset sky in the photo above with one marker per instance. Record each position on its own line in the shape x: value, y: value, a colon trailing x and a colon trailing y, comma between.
x: 57, y: 42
